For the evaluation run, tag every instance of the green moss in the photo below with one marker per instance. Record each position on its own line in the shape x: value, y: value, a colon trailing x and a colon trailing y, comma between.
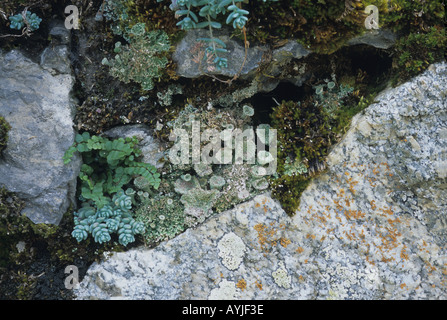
x: 412, y: 16
x: 325, y: 25
x: 316, y: 24
x: 4, y: 129
x: 288, y: 189
x: 415, y: 52
x: 306, y: 130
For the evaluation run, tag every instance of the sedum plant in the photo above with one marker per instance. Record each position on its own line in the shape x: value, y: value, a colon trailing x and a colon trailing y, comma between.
x: 29, y: 19
x: 197, y: 14
x: 112, y: 217
x: 142, y: 59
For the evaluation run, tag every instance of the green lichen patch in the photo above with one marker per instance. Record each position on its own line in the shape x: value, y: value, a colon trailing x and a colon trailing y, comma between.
x: 163, y: 218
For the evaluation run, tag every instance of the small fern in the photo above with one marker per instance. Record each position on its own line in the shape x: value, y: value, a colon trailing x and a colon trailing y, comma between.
x: 108, y: 165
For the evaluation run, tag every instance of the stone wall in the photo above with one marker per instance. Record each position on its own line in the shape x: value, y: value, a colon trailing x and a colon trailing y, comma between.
x: 372, y: 226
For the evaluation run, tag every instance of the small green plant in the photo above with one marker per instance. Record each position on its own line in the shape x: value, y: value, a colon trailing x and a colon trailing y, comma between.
x: 142, y: 59
x: 28, y: 19
x: 306, y: 130
x: 209, y: 11
x: 330, y: 96
x: 113, y: 217
x: 163, y: 218
x: 108, y: 165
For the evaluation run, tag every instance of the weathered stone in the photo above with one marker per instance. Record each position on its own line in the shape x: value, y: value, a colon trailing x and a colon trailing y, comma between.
x: 59, y: 34
x: 190, y: 63
x: 189, y: 55
x: 381, y: 39
x: 37, y: 105
x: 56, y: 59
x: 373, y: 226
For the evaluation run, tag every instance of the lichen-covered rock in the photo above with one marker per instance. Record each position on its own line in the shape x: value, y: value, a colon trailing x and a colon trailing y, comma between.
x: 373, y: 226
x: 38, y: 107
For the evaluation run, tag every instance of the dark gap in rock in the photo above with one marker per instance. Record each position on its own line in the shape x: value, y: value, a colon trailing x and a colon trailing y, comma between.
x: 363, y: 66
x: 375, y: 64
x: 264, y: 102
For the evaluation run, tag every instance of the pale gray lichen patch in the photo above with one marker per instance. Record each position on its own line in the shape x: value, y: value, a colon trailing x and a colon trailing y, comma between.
x: 226, y: 291
x: 231, y: 250
x: 281, y: 276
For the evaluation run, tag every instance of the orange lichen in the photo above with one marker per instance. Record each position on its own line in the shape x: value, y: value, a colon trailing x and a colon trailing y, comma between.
x: 268, y: 236
x: 241, y: 284
x: 285, y: 242
x: 383, y: 224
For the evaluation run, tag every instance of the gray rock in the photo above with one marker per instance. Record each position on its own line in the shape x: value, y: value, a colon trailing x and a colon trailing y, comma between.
x: 290, y: 49
x: 381, y: 39
x: 373, y: 226
x: 56, y: 59
x: 189, y: 56
x: 59, y: 34
x: 37, y: 106
x: 276, y: 70
x: 190, y: 63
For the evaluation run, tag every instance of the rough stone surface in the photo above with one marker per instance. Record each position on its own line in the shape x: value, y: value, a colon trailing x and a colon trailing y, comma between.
x: 189, y: 56
x: 381, y: 39
x: 373, y: 226
x: 37, y: 105
x: 190, y: 64
x: 56, y: 59
x: 59, y: 34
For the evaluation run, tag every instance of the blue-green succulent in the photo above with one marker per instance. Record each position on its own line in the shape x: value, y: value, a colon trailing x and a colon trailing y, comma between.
x: 208, y: 11
x: 31, y: 19
x: 112, y: 217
